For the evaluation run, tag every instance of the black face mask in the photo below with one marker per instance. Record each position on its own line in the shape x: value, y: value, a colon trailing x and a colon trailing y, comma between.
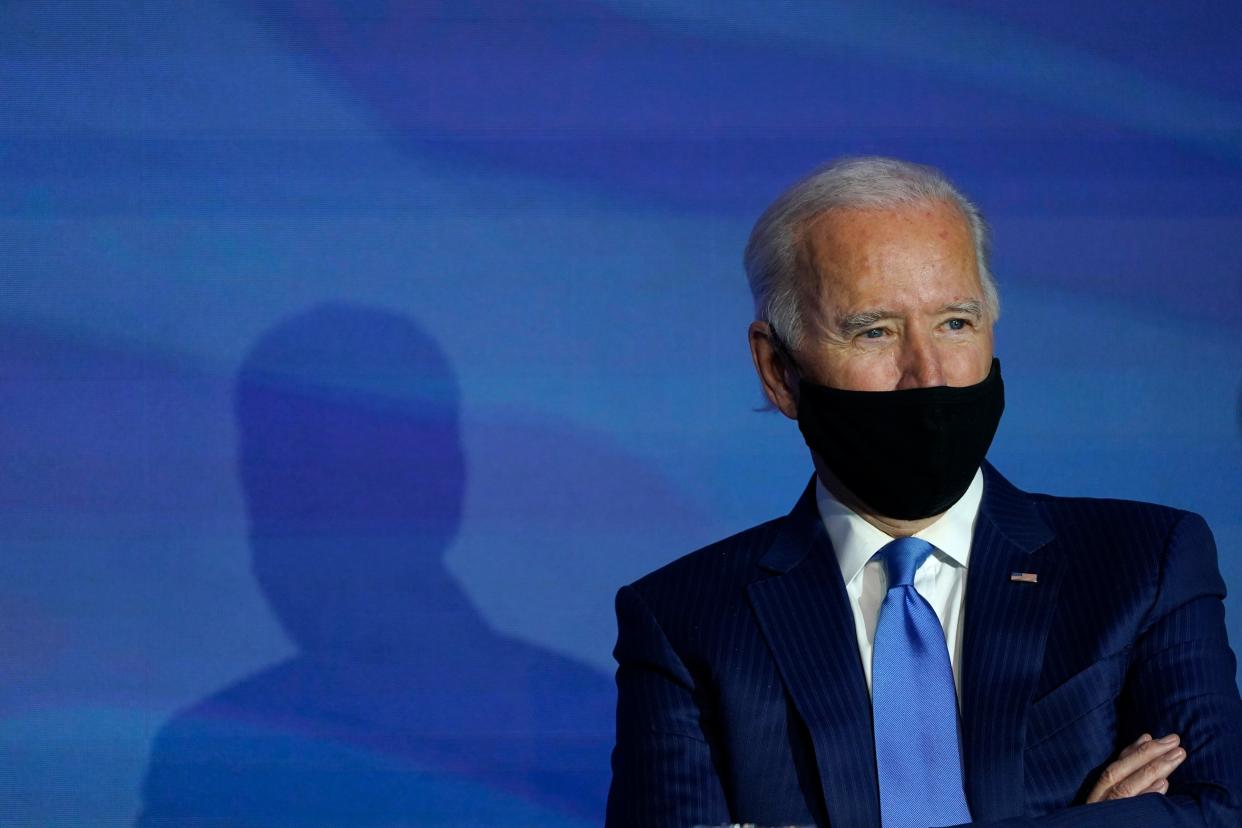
x: 906, y: 454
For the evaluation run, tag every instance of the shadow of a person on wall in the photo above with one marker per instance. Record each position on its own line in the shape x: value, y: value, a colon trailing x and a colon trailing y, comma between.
x: 401, y: 706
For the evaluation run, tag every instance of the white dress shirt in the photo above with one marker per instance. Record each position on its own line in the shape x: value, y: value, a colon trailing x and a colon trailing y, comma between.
x: 941, y: 580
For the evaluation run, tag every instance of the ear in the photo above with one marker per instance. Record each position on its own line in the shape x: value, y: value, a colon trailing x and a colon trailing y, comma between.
x: 778, y: 381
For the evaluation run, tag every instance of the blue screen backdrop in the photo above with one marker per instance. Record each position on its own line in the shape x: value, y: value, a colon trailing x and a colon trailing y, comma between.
x: 354, y: 353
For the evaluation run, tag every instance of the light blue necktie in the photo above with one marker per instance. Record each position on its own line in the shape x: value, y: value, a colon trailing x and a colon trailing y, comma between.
x: 913, y: 701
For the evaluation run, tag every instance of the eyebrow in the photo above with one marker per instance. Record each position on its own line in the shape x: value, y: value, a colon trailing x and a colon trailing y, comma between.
x: 851, y: 324
x: 973, y: 307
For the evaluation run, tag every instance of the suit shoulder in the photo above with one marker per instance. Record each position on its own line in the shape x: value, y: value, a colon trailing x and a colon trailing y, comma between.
x: 1112, y: 513
x: 1100, y: 514
x: 721, y: 566
x: 1123, y: 533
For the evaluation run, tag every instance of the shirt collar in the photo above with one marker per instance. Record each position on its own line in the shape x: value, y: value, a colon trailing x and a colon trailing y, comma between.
x: 855, y: 541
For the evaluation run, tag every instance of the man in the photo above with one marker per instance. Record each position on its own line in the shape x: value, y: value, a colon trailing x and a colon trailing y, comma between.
x: 812, y: 669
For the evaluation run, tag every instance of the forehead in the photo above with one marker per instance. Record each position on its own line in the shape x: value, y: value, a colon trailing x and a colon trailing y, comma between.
x: 915, y: 253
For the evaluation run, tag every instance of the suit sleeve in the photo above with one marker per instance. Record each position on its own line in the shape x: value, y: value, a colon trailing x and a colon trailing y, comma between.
x: 663, y: 773
x: 1181, y: 680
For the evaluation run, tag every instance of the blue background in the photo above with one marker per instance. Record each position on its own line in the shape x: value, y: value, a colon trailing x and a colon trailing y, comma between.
x: 354, y: 353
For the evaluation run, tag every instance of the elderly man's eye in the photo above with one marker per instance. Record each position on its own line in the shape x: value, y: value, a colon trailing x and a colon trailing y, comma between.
x: 874, y: 333
x: 957, y: 324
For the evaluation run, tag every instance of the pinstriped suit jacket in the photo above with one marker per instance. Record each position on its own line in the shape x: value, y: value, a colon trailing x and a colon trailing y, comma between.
x: 742, y: 699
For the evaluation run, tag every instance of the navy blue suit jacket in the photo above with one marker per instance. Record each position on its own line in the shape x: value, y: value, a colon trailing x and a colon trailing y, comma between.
x: 741, y: 695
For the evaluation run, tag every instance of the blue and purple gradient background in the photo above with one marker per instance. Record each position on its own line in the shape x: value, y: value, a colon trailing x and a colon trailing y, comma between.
x: 354, y: 353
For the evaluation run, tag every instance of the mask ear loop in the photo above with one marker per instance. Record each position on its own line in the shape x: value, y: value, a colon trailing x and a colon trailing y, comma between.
x: 786, y: 353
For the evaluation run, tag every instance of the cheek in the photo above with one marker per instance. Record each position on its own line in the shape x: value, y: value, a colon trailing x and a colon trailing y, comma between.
x: 967, y: 363
x: 865, y: 372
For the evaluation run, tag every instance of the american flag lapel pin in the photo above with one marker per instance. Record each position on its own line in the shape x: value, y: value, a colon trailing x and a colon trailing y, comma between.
x: 1024, y: 577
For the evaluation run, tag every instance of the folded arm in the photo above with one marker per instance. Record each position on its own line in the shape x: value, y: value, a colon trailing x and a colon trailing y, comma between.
x: 1181, y: 680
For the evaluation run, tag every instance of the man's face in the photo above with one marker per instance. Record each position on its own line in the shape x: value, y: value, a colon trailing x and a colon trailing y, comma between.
x: 893, y: 300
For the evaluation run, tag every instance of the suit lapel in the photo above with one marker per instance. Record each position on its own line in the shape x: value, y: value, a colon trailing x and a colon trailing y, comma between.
x: 806, y: 618
x: 1006, y: 626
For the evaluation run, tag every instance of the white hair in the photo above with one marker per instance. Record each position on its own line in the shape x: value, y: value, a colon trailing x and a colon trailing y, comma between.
x: 771, y: 257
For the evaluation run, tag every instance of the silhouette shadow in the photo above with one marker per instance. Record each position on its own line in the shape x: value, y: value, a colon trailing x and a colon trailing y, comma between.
x: 402, y: 706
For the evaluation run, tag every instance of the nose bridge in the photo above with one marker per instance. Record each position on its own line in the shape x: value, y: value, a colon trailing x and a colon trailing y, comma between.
x: 920, y: 366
